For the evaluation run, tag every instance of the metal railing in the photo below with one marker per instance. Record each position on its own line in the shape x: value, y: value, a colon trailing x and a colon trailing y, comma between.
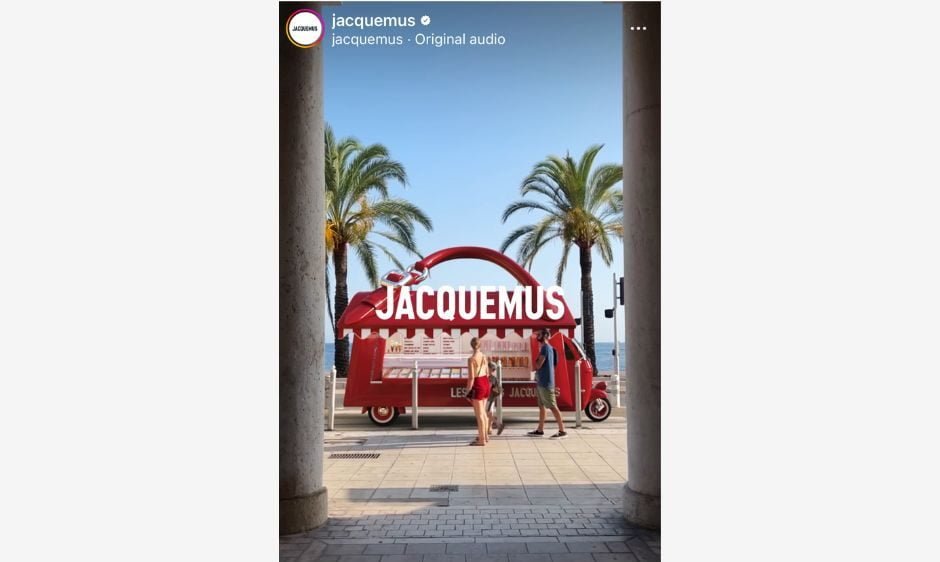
x: 332, y: 397
x: 499, y: 397
x: 331, y: 381
x: 414, y: 397
x: 577, y: 393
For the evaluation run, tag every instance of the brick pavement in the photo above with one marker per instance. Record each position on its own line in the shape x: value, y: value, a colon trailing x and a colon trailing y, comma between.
x: 517, y: 499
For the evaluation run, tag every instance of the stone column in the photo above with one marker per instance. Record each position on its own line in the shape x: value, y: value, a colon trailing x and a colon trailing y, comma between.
x: 641, y: 197
x: 303, y: 503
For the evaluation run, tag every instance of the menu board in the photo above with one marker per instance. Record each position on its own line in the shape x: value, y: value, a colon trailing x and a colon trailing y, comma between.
x: 412, y: 347
x: 512, y: 350
x: 430, y: 346
x: 448, y: 345
x: 422, y: 345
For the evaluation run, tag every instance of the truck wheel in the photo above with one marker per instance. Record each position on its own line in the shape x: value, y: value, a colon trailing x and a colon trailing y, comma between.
x: 382, y: 415
x: 598, y: 410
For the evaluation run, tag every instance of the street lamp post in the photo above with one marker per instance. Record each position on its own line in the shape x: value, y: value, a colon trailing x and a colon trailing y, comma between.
x: 612, y: 313
x: 616, y: 348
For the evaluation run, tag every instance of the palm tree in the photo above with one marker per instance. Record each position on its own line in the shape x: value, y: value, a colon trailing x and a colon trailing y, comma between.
x: 357, y: 206
x: 582, y: 208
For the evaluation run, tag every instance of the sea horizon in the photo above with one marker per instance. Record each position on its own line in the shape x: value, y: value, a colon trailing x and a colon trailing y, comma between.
x: 603, y: 350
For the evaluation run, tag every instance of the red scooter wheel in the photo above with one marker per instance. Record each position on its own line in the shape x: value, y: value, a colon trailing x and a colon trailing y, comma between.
x: 382, y: 415
x: 598, y: 410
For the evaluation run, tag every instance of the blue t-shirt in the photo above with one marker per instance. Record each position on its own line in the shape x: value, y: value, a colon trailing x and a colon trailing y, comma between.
x: 546, y: 373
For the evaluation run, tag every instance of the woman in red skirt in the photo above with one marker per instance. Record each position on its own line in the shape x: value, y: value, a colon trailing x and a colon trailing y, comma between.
x: 478, y: 390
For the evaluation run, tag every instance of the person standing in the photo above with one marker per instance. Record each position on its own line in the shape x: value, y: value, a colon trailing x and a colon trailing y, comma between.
x: 478, y: 390
x: 495, y: 391
x: 545, y: 386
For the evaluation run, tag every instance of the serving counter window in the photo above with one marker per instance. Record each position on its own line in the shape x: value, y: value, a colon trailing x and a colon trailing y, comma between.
x: 444, y: 356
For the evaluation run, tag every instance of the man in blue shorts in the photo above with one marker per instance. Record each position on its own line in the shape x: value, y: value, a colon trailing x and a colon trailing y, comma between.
x: 545, y: 386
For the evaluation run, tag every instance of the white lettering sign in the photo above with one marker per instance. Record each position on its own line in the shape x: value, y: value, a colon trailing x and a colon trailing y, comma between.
x: 490, y: 303
x: 522, y: 392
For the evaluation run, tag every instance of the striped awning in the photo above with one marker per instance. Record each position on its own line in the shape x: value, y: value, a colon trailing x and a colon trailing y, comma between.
x: 500, y: 333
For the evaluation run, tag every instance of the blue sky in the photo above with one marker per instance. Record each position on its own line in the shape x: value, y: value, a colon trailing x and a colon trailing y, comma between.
x: 468, y: 123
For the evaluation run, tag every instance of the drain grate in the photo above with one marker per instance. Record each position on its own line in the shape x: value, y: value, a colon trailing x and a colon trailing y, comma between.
x: 355, y: 455
x: 444, y: 488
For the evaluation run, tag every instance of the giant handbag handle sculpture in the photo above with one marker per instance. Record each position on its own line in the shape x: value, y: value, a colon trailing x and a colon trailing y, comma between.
x: 421, y: 269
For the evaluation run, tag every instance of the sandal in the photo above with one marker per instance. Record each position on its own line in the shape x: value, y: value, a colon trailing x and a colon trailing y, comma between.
x: 476, y: 443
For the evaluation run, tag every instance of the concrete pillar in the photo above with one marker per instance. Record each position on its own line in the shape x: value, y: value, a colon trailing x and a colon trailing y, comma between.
x: 641, y: 197
x: 303, y: 503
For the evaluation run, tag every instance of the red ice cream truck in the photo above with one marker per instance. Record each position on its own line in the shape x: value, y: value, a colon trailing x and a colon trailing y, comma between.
x: 388, y: 344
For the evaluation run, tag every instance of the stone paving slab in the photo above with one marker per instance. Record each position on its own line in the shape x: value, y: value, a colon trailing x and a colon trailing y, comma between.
x: 519, y: 499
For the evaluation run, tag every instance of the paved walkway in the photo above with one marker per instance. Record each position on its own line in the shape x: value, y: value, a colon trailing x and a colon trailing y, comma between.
x: 428, y: 496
